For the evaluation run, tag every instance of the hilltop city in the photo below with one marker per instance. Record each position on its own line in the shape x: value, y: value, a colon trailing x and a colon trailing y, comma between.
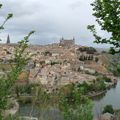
x: 58, y: 64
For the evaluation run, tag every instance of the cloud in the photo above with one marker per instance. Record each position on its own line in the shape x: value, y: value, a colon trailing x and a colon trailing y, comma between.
x: 76, y: 5
x: 51, y: 19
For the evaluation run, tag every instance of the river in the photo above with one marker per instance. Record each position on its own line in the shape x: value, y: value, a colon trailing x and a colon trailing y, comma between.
x: 111, y: 97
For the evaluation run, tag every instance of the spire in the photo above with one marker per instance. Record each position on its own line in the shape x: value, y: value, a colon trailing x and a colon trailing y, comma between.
x: 62, y: 38
x: 73, y: 38
x: 8, y: 40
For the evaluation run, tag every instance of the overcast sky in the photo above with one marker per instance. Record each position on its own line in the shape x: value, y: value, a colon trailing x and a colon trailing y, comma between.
x: 51, y: 19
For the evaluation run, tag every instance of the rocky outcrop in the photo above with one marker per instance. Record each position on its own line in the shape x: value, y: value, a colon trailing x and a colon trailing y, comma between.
x: 107, y: 116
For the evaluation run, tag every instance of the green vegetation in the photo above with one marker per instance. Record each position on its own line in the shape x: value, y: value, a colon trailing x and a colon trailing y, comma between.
x: 72, y: 98
x: 96, y: 59
x: 117, y: 113
x: 108, y: 109
x: 47, y: 53
x: 96, y: 86
x: 27, y: 89
x: 84, y: 58
x: 88, y: 50
x: 107, y: 79
x: 55, y: 62
x: 74, y: 105
x: 114, y: 65
x: 107, y: 13
x: 99, y: 86
x: 7, y: 83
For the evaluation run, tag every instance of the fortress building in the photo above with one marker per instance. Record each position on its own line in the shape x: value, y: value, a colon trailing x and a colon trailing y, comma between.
x: 65, y: 42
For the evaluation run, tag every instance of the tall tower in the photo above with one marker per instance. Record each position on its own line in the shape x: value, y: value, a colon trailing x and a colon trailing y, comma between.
x: 8, y: 40
x: 73, y: 40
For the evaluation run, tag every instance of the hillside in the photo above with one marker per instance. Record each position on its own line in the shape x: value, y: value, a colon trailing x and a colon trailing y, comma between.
x: 57, y: 65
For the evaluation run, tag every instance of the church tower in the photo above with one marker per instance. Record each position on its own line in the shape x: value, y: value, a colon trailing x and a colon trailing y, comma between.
x: 8, y: 40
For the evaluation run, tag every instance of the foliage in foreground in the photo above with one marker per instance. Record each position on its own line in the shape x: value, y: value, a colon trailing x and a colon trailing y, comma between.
x: 8, y: 80
x: 75, y: 106
x: 107, y: 13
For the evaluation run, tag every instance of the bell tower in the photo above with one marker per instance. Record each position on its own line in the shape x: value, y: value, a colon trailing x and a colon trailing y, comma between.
x: 8, y: 39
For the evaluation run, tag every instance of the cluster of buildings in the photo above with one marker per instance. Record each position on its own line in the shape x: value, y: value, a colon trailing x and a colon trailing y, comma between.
x: 56, y: 64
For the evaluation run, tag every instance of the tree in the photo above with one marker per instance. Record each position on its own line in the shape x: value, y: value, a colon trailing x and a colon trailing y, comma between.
x: 96, y: 59
x: 108, y: 109
x: 107, y: 13
x: 7, y: 82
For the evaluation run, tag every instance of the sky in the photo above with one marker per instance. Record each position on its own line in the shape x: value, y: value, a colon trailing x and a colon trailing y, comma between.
x: 51, y: 19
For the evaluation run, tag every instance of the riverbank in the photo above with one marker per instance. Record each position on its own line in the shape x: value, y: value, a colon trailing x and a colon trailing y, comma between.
x: 12, y: 109
x: 97, y: 88
x: 109, y: 85
x: 109, y: 116
x: 117, y: 113
x: 111, y: 97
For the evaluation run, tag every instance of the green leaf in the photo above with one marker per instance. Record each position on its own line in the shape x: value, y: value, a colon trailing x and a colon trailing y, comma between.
x: 10, y: 15
x: 1, y: 27
x: 1, y: 5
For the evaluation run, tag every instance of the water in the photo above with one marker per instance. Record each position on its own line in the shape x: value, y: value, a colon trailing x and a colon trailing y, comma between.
x: 43, y: 114
x: 25, y: 110
x: 111, y: 97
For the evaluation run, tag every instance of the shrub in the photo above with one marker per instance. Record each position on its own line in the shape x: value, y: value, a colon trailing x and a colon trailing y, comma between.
x: 96, y: 59
x: 54, y: 63
x: 108, y: 109
x: 47, y: 53
x: 107, y: 79
x: 83, y: 88
x: 76, y: 106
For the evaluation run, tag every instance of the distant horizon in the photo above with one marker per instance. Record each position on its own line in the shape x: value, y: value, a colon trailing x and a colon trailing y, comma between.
x: 4, y: 43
